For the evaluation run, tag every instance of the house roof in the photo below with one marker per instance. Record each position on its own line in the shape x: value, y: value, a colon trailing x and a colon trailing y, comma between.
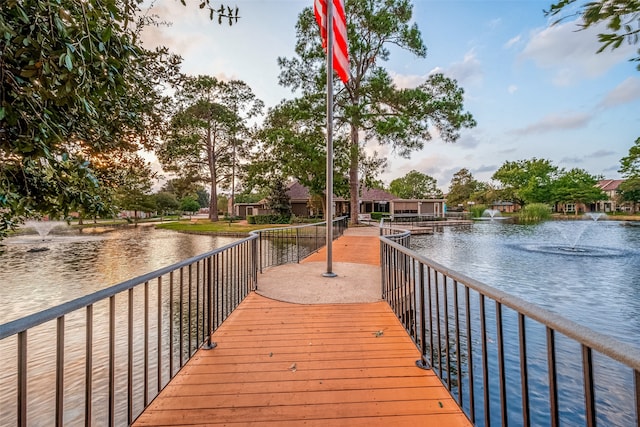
x: 376, y: 195
x: 297, y: 191
x: 609, y: 184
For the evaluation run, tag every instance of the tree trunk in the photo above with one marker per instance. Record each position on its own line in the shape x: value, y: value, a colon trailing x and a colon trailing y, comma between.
x: 354, y: 155
x: 213, y: 203
x: 233, y: 179
x: 211, y: 157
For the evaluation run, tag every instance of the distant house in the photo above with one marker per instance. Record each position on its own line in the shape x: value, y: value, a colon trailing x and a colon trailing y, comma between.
x: 502, y: 206
x: 431, y: 208
x: 610, y: 187
x: 370, y: 200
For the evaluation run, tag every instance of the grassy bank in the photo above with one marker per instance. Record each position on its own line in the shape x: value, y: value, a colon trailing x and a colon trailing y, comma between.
x: 220, y: 227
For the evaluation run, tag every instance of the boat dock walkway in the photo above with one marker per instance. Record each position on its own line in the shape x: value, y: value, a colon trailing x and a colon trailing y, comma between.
x: 310, y: 350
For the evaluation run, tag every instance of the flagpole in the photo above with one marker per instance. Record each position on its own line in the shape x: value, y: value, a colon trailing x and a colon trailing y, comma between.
x: 329, y: 186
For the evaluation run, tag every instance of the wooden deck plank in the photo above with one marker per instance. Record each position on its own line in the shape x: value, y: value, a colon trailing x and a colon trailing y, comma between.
x: 282, y: 364
x: 356, y: 249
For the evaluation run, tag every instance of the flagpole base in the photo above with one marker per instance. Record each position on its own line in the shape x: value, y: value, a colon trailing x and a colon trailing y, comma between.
x: 329, y: 274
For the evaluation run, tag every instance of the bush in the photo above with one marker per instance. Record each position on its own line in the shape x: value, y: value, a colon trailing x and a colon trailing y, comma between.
x: 269, y: 219
x: 535, y: 212
x: 377, y: 216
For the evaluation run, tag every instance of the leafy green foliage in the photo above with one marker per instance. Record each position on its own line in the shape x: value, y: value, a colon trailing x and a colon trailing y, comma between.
x: 77, y: 87
x: 370, y: 104
x: 576, y: 186
x: 462, y: 187
x: 208, y: 132
x: 269, y: 219
x: 526, y: 181
x: 415, y: 185
x: 68, y: 70
x: 292, y: 145
x: 278, y: 200
x: 630, y: 164
x: 189, y: 205
x: 165, y: 203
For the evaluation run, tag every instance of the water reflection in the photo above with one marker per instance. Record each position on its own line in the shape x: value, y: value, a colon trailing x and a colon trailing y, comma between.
x: 597, y: 290
x: 601, y: 292
x: 79, y: 264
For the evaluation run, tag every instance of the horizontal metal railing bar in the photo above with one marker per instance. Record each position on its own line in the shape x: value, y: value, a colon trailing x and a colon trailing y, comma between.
x: 604, y: 344
x: 315, y: 224
x: 19, y: 325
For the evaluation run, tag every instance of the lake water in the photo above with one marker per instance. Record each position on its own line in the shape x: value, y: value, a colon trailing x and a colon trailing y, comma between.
x: 586, y: 271
x: 77, y: 264
x: 598, y: 285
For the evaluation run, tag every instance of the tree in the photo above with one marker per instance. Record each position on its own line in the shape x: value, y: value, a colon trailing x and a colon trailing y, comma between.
x: 278, y: 200
x: 630, y: 192
x: 622, y: 18
x: 199, y: 143
x: 630, y: 164
x: 183, y: 186
x: 68, y: 70
x: 526, y: 181
x: 189, y: 205
x: 203, y: 197
x: 461, y: 188
x: 238, y: 97
x: 165, y: 202
x: 576, y: 186
x: 415, y: 185
x: 630, y: 170
x: 292, y: 145
x: 370, y: 104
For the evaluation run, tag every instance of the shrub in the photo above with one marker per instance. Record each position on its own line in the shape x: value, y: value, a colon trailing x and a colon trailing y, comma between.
x: 477, y: 210
x: 269, y: 219
x: 377, y: 216
x: 534, y: 212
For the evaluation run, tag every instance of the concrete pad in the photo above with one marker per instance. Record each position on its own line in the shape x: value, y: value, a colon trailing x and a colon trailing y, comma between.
x: 304, y: 283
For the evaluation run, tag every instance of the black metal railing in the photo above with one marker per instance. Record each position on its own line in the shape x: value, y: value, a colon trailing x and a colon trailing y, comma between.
x: 277, y: 246
x: 115, y: 349
x: 506, y: 361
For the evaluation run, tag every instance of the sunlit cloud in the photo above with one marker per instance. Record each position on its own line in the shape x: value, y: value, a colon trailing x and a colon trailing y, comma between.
x: 466, y: 72
x: 513, y: 41
x: 554, y: 122
x: 626, y: 92
x: 572, y: 53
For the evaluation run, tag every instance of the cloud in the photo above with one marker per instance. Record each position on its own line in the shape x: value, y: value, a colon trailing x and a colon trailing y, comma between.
x: 512, y: 89
x: 555, y: 122
x: 572, y: 160
x: 486, y: 168
x: 626, y: 92
x: 407, y: 81
x: 466, y: 72
x: 600, y: 153
x: 468, y: 141
x: 572, y: 53
x: 512, y: 41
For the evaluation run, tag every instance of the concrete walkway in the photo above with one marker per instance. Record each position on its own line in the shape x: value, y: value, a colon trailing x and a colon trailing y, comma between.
x: 355, y: 260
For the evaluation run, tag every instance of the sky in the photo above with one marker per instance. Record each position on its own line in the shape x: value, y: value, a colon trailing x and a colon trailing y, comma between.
x: 536, y: 90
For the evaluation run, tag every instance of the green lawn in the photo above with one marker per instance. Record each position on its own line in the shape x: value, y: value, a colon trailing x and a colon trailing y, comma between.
x: 206, y: 226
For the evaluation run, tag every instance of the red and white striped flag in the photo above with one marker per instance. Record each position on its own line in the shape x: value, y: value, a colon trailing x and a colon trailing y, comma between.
x: 340, y: 46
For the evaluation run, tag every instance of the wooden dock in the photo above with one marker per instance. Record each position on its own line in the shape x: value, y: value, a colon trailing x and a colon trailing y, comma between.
x: 284, y: 364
